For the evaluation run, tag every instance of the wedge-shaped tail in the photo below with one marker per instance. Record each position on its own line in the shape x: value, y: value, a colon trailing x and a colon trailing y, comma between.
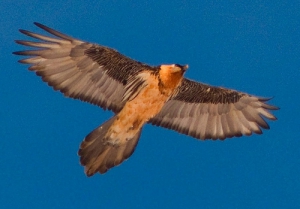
x: 97, y: 154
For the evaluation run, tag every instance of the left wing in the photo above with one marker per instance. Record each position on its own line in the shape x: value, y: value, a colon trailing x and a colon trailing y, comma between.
x: 81, y: 70
x: 207, y: 112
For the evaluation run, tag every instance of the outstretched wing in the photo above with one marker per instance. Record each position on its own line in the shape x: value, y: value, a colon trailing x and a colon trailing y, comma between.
x: 79, y: 69
x: 207, y: 112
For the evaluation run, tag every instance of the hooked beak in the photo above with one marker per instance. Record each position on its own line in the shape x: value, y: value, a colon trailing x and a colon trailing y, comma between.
x: 185, y: 67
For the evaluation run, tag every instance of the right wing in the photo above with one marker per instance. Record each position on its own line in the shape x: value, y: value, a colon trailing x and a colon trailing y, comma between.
x: 207, y: 112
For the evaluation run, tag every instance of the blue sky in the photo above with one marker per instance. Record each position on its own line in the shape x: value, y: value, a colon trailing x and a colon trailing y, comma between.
x: 251, y: 46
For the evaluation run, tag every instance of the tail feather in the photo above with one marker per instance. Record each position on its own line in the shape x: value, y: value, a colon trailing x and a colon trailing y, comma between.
x: 99, y: 156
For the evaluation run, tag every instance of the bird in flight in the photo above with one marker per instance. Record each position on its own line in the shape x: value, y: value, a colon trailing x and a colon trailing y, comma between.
x: 138, y: 94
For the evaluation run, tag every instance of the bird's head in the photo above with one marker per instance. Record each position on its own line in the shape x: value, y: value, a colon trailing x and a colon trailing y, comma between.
x: 174, y: 68
x: 171, y: 75
x: 179, y: 68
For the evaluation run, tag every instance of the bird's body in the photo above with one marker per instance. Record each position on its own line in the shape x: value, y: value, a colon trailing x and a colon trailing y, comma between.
x: 138, y: 94
x: 147, y: 103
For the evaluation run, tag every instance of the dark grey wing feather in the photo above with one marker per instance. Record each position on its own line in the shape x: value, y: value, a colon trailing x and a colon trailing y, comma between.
x: 207, y: 112
x: 80, y: 70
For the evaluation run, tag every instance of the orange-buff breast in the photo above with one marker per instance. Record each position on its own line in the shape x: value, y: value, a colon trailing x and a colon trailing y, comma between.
x: 138, y: 111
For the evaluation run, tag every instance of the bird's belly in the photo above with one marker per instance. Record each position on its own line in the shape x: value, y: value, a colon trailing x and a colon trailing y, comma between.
x: 137, y: 112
